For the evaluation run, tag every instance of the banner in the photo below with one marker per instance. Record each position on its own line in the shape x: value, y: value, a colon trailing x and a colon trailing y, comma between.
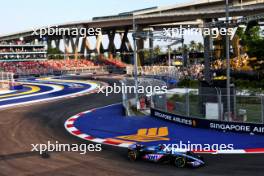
x: 250, y: 128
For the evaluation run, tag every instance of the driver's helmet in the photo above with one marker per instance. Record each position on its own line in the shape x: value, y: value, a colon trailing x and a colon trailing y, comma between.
x: 160, y: 147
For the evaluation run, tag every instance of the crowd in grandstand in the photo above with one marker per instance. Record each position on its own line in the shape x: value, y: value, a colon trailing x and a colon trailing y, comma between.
x: 112, y: 61
x: 44, y: 67
x: 10, y: 50
x: 238, y: 64
x: 192, y: 72
x: 17, y: 42
x: 22, y: 56
x: 27, y: 51
x: 49, y: 66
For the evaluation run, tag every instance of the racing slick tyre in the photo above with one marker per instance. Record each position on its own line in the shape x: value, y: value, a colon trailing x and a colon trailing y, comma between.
x: 180, y: 162
x: 133, y: 155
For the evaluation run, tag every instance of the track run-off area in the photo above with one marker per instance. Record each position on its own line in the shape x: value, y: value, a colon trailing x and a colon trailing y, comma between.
x: 21, y: 126
x: 108, y: 125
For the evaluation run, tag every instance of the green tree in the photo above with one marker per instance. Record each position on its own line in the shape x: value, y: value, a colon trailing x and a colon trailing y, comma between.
x: 253, y: 42
x: 179, y: 49
x: 54, y: 53
x: 200, y: 47
x: 147, y: 53
x: 157, y: 51
x: 193, y: 45
x: 186, y: 48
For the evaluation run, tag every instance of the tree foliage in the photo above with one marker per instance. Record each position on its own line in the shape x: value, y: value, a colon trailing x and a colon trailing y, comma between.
x: 54, y: 53
x: 253, y: 42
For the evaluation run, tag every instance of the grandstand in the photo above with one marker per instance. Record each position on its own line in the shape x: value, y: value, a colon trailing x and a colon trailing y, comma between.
x: 50, y: 66
x: 23, y: 58
x: 112, y: 61
x: 19, y: 51
x: 43, y: 67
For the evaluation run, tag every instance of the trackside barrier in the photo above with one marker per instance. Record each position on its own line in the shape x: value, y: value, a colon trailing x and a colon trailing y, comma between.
x: 6, y: 80
x: 129, y: 98
x: 158, y: 71
x: 211, y: 105
x: 208, y: 109
x: 250, y: 128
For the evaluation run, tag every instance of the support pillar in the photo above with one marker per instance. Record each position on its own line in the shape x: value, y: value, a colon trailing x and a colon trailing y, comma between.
x: 66, y: 42
x: 49, y: 42
x: 99, y: 46
x: 151, y: 47
x: 111, y: 46
x: 207, y: 55
x: 123, y: 47
x: 140, y: 47
x: 57, y: 44
x: 75, y: 46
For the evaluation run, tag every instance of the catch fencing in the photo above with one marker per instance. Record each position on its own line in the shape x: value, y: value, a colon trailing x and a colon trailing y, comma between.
x: 211, y: 104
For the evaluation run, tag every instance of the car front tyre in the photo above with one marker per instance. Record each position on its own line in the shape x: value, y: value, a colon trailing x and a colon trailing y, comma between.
x: 180, y: 162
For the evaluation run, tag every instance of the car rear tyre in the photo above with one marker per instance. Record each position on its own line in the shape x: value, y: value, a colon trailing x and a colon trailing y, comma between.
x: 133, y: 155
x: 179, y: 162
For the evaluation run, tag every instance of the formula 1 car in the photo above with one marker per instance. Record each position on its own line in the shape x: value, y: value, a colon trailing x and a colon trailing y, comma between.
x: 159, y: 155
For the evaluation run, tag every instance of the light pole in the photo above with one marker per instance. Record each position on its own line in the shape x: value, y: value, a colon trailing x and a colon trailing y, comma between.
x: 228, y: 63
x: 169, y: 55
x: 135, y: 58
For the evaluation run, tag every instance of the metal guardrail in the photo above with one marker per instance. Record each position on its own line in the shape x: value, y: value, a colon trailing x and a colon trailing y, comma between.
x: 129, y: 98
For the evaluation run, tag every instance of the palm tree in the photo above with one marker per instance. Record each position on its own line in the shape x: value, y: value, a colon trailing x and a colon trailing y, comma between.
x: 179, y: 49
x: 193, y: 45
x: 157, y: 50
x: 200, y: 47
x: 186, y: 48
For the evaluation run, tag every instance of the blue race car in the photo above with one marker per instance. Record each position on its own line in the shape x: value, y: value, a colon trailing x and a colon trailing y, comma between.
x: 159, y: 155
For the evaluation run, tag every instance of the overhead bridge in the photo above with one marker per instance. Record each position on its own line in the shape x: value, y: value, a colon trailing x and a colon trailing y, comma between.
x: 196, y: 13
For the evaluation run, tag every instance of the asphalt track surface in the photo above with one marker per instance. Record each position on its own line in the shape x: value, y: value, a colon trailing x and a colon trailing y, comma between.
x: 39, y: 123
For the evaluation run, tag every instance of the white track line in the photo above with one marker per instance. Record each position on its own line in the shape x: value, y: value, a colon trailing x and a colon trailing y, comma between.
x: 55, y: 88
x: 3, y: 92
x: 93, y: 87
